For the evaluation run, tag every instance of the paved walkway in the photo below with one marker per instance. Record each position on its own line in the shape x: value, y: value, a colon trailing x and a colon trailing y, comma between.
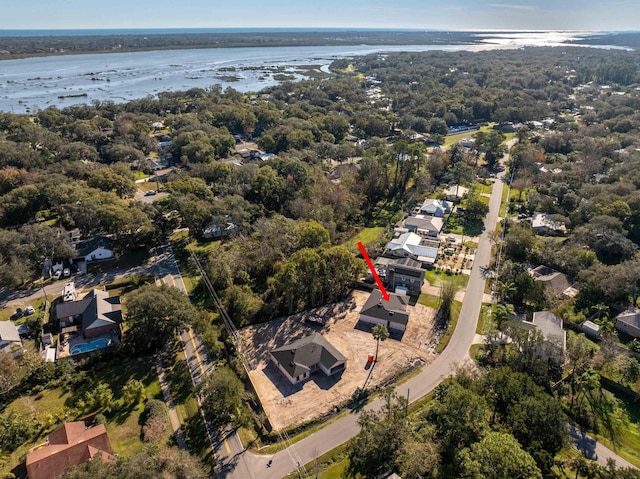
x: 173, y: 415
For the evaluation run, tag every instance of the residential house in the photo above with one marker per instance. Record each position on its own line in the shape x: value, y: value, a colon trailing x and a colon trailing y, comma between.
x: 393, y: 313
x: 69, y: 445
x: 96, y: 314
x: 554, y: 336
x: 543, y: 225
x: 558, y: 284
x: 455, y: 193
x: 629, y: 322
x: 216, y: 231
x: 299, y: 359
x: 410, y: 245
x: 424, y: 225
x: 9, y: 336
x: 97, y: 248
x: 405, y: 273
x: 435, y: 207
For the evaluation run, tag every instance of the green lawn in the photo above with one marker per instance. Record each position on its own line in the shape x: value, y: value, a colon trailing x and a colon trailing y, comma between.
x: 51, y: 407
x: 432, y: 301
x: 436, y: 278
x: 450, y: 140
x: 149, y: 185
x: 481, y: 188
x: 367, y: 236
x: 186, y: 404
x: 503, y: 201
x: 484, y: 314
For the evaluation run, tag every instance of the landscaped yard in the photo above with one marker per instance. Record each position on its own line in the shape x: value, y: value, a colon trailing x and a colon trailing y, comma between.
x: 51, y: 407
x: 436, y: 278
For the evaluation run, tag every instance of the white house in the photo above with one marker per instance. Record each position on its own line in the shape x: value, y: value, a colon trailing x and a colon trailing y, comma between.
x: 435, y: 207
x: 455, y: 192
x: 408, y: 245
x: 543, y: 225
x: 95, y: 249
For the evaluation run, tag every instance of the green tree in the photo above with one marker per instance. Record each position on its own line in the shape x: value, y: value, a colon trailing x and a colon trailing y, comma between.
x: 132, y: 393
x: 154, y: 315
x: 150, y: 463
x: 381, y: 434
x: 448, y: 292
x: 311, y: 234
x: 222, y: 398
x: 498, y: 456
x: 380, y: 333
x: 460, y: 418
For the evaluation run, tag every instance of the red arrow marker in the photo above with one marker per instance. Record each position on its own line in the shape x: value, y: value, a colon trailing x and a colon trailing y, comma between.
x: 385, y: 295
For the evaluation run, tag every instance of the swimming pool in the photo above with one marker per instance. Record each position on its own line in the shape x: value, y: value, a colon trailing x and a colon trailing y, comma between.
x: 90, y: 346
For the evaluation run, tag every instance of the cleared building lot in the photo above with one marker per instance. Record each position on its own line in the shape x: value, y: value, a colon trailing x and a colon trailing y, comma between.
x: 287, y: 404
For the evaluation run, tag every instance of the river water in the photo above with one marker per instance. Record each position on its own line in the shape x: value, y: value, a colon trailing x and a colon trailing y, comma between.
x: 29, y: 84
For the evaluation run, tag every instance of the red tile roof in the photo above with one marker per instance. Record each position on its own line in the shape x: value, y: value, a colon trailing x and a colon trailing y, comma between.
x: 69, y: 445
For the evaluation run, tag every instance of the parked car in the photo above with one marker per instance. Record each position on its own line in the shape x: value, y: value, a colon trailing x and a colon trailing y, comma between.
x: 66, y: 272
x: 29, y: 310
x: 18, y: 314
x: 57, y: 274
x: 315, y: 319
x: 150, y: 193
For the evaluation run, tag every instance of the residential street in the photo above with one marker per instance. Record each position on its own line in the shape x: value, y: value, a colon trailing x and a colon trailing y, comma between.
x: 249, y: 465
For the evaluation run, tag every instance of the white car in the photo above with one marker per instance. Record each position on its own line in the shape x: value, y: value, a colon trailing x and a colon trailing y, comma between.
x: 57, y: 274
x: 29, y: 310
x: 66, y: 272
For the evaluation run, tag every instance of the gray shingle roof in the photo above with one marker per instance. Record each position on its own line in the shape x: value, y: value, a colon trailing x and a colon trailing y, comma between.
x: 97, y: 310
x: 393, y: 310
x: 85, y: 247
x: 298, y: 357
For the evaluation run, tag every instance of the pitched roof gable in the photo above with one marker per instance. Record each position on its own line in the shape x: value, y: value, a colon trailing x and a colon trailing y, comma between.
x: 69, y: 445
x: 393, y: 310
x: 97, y: 310
x: 299, y: 356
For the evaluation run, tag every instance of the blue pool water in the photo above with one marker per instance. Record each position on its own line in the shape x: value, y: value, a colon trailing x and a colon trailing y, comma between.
x: 91, y: 346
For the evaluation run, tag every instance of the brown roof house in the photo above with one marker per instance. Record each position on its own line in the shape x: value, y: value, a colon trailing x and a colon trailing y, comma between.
x: 299, y: 359
x: 97, y: 314
x: 393, y: 313
x: 69, y: 445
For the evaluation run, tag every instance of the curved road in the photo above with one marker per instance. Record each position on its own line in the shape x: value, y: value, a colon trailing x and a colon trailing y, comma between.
x: 239, y: 465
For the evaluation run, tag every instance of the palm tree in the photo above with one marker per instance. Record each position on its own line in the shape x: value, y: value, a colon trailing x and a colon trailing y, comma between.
x: 502, y: 313
x: 380, y: 333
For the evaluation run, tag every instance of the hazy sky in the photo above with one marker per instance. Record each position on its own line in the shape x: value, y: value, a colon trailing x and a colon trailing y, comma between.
x: 427, y: 14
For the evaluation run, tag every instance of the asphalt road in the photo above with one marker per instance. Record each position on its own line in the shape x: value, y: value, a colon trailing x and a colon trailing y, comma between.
x: 342, y: 430
x: 248, y: 465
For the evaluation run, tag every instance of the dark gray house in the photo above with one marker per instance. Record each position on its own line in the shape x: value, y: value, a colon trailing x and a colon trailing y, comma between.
x: 298, y: 360
x: 407, y: 273
x: 393, y: 313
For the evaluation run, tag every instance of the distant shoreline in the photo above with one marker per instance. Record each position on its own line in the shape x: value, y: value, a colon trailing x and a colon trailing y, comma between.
x: 39, y: 43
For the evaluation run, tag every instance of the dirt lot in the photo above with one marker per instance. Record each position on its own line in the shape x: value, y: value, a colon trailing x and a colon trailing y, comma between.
x: 287, y: 404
